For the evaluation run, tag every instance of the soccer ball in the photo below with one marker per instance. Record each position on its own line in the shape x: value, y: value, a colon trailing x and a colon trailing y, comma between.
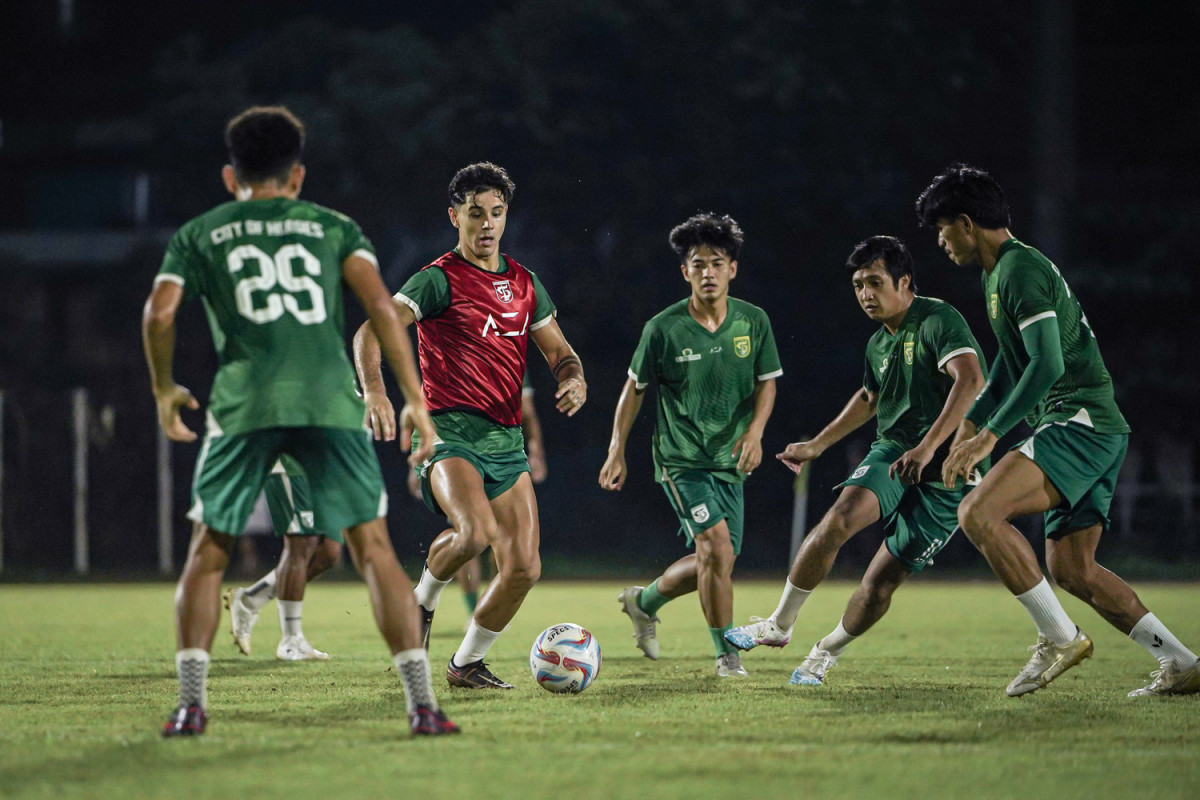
x: 565, y: 658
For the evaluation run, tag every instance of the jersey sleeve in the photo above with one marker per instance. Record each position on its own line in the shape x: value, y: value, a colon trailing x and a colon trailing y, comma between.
x: 766, y: 365
x: 180, y: 263
x: 545, y: 310
x: 1027, y: 290
x: 427, y: 293
x: 946, y: 334
x: 356, y: 243
x: 645, y: 356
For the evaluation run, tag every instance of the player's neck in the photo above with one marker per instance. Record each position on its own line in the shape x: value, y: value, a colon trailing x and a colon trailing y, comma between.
x: 893, y: 324
x: 710, y: 314
x: 990, y: 242
x: 265, y: 191
x: 491, y: 263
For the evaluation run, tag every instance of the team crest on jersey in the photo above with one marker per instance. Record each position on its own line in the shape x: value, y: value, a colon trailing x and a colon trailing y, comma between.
x: 700, y: 513
x: 908, y: 351
x: 883, y: 365
x: 741, y: 346
x: 994, y: 305
x: 687, y: 355
x: 503, y: 291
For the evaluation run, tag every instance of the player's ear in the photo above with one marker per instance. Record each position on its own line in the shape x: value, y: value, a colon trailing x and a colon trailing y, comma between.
x: 230, y: 179
x: 296, y: 177
x: 732, y: 270
x: 453, y: 216
x: 683, y: 271
x: 968, y: 224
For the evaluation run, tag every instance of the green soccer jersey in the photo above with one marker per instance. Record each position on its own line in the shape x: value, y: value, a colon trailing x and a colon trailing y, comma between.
x: 706, y: 382
x: 270, y: 274
x: 907, y: 370
x: 1025, y: 287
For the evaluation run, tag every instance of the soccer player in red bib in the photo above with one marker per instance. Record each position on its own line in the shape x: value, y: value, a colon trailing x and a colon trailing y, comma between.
x: 475, y: 309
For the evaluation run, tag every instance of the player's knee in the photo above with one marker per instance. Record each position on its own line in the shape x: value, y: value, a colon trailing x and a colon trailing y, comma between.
x: 521, y: 573
x: 973, y: 517
x: 1072, y: 577
x: 326, y: 556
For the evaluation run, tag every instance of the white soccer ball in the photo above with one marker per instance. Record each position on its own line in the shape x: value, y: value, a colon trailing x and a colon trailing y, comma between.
x: 565, y: 658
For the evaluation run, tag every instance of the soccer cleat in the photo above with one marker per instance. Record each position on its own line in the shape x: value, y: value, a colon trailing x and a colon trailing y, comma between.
x: 643, y: 624
x: 186, y: 721
x: 427, y: 625
x: 297, y: 648
x: 1048, y: 662
x: 1169, y: 680
x: 812, y: 669
x: 475, y: 675
x: 759, y: 631
x: 241, y: 619
x: 426, y: 721
x: 729, y: 665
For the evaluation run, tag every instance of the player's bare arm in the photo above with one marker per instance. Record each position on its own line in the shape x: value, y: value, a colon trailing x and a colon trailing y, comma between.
x: 158, y: 341
x: 968, y: 383
x: 389, y: 327
x: 535, y: 449
x: 381, y: 416
x: 857, y: 412
x: 748, y: 448
x: 565, y: 366
x: 613, y: 473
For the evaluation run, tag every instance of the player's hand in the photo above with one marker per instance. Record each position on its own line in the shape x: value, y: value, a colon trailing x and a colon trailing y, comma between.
x: 796, y: 454
x: 381, y: 416
x: 908, y: 467
x: 414, y: 482
x: 612, y: 474
x: 965, y: 455
x: 537, y: 462
x: 748, y: 451
x: 416, y: 417
x: 169, y: 403
x: 571, y: 395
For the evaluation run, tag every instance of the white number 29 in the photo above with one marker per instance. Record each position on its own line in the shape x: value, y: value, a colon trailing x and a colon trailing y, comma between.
x: 278, y: 271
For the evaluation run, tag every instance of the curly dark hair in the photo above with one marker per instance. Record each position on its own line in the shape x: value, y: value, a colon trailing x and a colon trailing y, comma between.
x: 963, y: 189
x: 895, y: 256
x: 264, y: 143
x: 481, y: 177
x: 720, y: 233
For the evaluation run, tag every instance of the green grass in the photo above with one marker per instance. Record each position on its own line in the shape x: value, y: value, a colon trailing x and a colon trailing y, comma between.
x: 915, y: 710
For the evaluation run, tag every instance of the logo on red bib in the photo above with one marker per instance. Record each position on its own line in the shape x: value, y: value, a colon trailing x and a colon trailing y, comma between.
x: 503, y: 291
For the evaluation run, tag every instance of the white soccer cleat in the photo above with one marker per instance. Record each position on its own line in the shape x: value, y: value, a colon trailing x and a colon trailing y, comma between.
x: 1048, y: 662
x: 241, y: 619
x: 812, y: 669
x: 759, y: 631
x: 297, y: 648
x: 729, y: 665
x: 1169, y: 680
x: 643, y: 624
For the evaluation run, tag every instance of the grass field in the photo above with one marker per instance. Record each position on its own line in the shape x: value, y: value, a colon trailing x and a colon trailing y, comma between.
x: 915, y: 710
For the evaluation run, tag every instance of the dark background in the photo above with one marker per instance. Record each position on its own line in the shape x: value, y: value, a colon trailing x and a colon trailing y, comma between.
x: 814, y: 124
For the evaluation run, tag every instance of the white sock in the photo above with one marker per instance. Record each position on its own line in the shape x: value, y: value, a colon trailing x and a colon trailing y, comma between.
x: 1048, y: 614
x: 413, y: 668
x: 835, y: 642
x: 429, y: 589
x: 1162, y: 644
x: 290, y: 612
x: 789, y: 605
x: 192, y: 667
x: 261, y: 593
x: 475, y: 644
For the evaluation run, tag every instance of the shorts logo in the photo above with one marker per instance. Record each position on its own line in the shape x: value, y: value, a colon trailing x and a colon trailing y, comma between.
x: 994, y: 306
x: 741, y: 346
x: 858, y: 473
x: 306, y: 518
x: 700, y: 513
x: 688, y: 355
x: 908, y: 352
x: 503, y: 291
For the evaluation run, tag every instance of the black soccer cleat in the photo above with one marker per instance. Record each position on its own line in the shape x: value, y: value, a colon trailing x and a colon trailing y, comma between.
x: 426, y: 625
x: 186, y: 721
x: 475, y: 675
x: 426, y: 721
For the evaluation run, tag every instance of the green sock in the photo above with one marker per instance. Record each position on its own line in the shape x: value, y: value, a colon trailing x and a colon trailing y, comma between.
x: 472, y: 600
x: 651, y: 600
x: 718, y: 637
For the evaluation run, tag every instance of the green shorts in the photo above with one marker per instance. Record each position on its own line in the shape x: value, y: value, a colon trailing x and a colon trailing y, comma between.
x: 1083, y: 465
x: 701, y: 500
x: 289, y: 499
x: 499, y: 472
x: 343, y: 474
x: 918, y: 521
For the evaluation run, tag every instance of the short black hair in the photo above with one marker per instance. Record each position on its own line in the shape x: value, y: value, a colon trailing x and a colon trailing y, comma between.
x: 476, y: 178
x: 891, y: 251
x: 264, y: 143
x: 720, y: 233
x: 964, y: 189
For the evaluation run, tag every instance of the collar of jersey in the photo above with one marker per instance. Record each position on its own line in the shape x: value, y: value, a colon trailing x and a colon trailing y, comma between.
x: 507, y: 266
